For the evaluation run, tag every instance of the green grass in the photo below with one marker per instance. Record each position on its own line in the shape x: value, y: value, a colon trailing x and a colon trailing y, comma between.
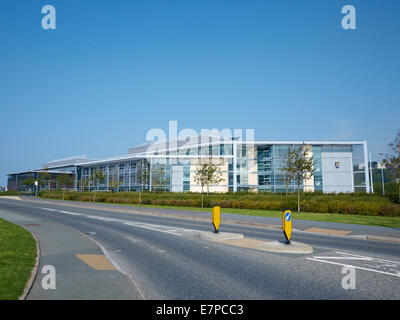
x: 352, y: 204
x: 356, y: 208
x: 17, y: 259
x: 392, y: 222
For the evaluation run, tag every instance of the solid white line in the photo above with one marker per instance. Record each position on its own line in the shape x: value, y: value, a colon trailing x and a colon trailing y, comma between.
x: 345, y: 258
x: 350, y: 254
x: 101, y: 218
x: 356, y: 267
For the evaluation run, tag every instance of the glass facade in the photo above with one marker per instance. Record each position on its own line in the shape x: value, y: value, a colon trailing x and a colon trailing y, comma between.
x: 256, y: 167
x: 265, y: 173
x: 317, y: 151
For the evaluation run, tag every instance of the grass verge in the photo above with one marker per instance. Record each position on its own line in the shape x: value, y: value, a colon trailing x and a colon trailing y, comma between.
x: 17, y: 259
x: 391, y: 222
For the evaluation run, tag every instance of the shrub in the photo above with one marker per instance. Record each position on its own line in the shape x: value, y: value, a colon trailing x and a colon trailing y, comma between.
x: 355, y: 203
x: 10, y: 193
x: 146, y: 201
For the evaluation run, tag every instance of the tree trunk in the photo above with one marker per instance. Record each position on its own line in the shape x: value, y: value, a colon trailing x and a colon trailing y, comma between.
x: 287, y: 187
x: 298, y: 197
x: 140, y: 194
x: 202, y: 198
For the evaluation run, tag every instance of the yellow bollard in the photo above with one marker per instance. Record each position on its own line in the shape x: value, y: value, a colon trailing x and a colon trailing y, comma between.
x: 216, y: 218
x: 287, y: 225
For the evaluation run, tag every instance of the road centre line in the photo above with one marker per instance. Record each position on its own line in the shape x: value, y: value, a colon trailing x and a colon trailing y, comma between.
x: 150, y: 228
x: 104, y: 219
x: 153, y: 227
x: 48, y: 209
x: 71, y: 213
x: 140, y: 225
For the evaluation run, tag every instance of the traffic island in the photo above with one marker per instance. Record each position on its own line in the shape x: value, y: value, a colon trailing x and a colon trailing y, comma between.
x: 220, y: 236
x: 281, y: 247
x: 238, y: 240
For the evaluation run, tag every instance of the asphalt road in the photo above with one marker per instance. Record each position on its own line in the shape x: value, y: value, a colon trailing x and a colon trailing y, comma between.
x: 166, y: 258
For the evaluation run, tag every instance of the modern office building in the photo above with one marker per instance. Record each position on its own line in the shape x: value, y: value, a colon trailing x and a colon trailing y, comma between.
x: 245, y: 165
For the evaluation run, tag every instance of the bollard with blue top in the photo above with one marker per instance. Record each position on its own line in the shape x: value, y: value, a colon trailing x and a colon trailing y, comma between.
x: 287, y: 225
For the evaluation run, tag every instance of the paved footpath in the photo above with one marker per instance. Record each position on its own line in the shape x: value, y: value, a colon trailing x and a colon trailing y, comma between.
x: 82, y: 271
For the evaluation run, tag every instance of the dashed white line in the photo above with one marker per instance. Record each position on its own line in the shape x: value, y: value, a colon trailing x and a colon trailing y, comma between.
x: 150, y: 228
x: 71, y: 213
x: 48, y: 209
x: 154, y: 227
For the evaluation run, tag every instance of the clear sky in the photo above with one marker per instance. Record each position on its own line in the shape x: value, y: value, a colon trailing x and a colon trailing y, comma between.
x: 112, y: 70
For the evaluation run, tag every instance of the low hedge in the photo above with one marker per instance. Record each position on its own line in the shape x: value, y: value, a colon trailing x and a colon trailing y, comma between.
x: 10, y: 193
x: 355, y: 203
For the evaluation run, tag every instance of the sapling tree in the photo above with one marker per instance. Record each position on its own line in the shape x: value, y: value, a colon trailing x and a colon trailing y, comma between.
x: 299, y: 166
x: 97, y: 178
x: 392, y: 158
x: 142, y: 176
x: 63, y: 180
x: 207, y: 173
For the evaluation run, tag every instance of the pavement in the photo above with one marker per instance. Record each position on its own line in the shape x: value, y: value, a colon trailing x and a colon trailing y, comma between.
x: 81, y: 268
x: 159, y: 255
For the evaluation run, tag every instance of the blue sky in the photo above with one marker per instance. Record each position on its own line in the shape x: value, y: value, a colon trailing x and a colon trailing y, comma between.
x: 112, y: 70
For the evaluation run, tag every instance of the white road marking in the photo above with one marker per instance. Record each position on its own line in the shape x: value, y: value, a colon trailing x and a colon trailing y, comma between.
x: 150, y: 228
x: 116, y: 265
x: 101, y: 218
x: 344, y: 258
x: 154, y: 227
x: 71, y: 213
x: 48, y: 209
x: 391, y: 268
x: 356, y: 255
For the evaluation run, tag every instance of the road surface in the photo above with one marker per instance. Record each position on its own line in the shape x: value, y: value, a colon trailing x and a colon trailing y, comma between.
x: 165, y: 258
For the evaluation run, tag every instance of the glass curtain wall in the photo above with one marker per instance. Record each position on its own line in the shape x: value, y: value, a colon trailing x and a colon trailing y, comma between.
x: 316, y: 150
x: 358, y: 168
